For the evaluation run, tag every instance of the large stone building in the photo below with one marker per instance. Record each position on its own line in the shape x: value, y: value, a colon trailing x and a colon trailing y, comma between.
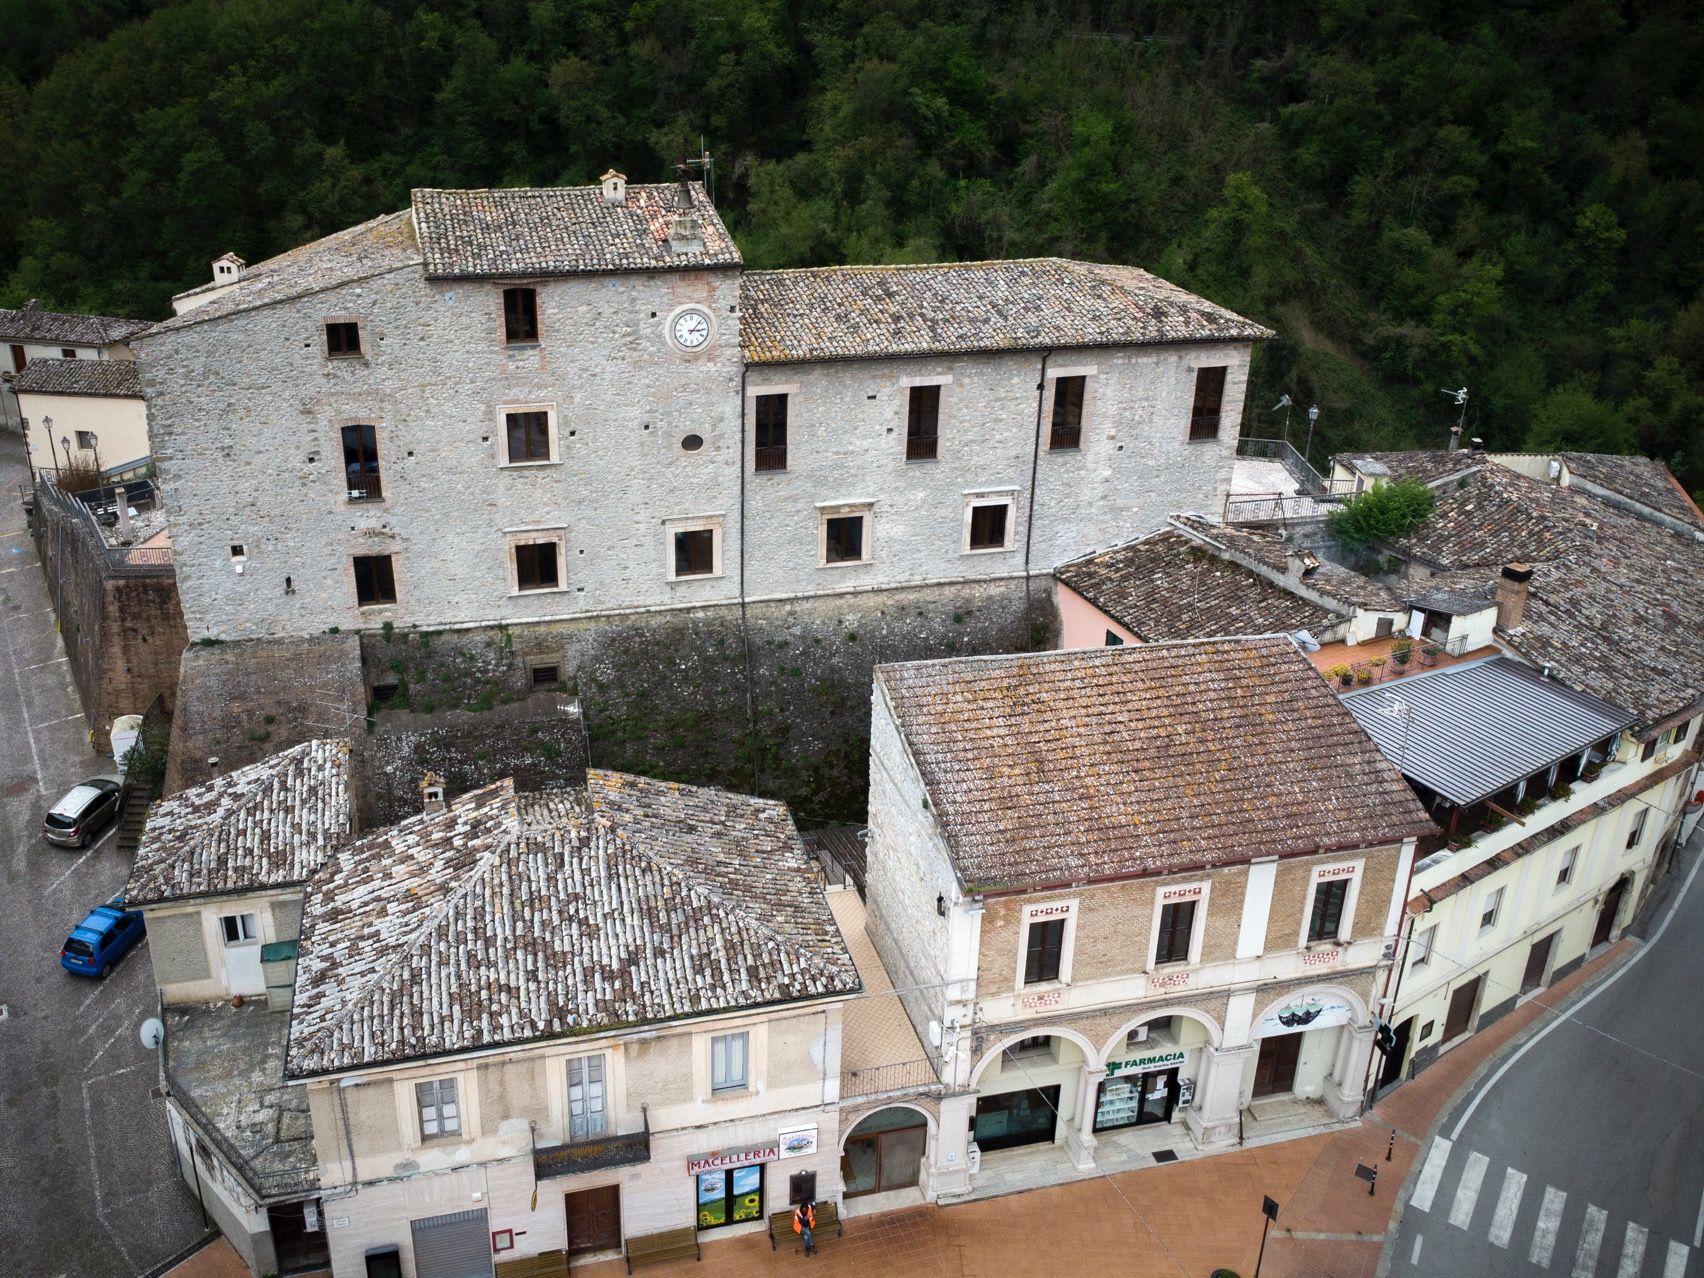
x: 529, y: 405
x: 1135, y: 896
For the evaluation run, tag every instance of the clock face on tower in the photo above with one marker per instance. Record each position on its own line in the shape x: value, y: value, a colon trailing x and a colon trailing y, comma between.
x: 690, y: 329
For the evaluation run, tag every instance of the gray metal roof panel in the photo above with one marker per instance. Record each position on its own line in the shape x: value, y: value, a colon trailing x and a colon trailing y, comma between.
x: 1477, y: 728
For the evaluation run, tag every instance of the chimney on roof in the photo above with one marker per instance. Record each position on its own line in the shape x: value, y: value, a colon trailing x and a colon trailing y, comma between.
x: 1512, y: 595
x: 228, y: 269
x: 432, y: 793
x: 614, y: 189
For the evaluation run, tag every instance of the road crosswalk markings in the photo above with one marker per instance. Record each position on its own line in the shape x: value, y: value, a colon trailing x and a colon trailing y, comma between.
x: 1467, y: 1192
x: 1547, y: 1226
x: 1591, y: 1242
x: 1632, y: 1251
x: 1549, y: 1221
x: 1427, y: 1186
x: 1508, y: 1207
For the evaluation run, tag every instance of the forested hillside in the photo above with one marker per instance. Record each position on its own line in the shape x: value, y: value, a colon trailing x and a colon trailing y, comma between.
x: 1499, y: 194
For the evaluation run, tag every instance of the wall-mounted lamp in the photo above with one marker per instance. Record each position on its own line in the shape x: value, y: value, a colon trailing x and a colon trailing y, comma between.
x: 940, y: 905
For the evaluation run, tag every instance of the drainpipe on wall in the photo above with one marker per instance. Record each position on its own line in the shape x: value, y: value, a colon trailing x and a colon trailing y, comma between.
x: 745, y: 629
x: 1029, y: 514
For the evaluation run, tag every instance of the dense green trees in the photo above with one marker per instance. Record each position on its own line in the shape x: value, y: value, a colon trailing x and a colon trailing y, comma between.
x: 1382, y: 514
x: 1504, y: 195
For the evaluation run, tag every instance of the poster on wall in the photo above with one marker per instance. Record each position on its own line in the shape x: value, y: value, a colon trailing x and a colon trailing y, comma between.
x: 796, y: 1142
x: 1309, y: 1012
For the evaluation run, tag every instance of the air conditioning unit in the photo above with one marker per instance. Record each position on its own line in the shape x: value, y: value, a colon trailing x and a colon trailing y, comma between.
x: 1139, y: 1034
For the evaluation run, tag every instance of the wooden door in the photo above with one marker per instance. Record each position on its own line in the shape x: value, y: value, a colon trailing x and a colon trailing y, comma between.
x: 1538, y: 958
x: 594, y: 1220
x: 1461, y: 1009
x: 1606, y: 916
x: 1275, y: 1070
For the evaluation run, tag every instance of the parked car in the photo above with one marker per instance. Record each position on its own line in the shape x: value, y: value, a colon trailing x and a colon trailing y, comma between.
x: 100, y: 940
x: 88, y: 809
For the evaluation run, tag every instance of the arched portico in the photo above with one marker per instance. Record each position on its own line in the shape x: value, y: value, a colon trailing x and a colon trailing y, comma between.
x: 1115, y: 1046
x: 1092, y: 1057
x: 886, y: 1151
x: 1311, y: 1044
x: 1032, y: 1087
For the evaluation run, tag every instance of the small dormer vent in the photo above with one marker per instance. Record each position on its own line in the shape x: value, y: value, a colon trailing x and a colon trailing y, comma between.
x: 432, y: 793
x: 614, y: 188
x: 228, y: 269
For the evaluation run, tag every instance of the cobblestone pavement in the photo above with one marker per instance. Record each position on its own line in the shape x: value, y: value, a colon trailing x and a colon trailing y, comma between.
x: 89, y: 1185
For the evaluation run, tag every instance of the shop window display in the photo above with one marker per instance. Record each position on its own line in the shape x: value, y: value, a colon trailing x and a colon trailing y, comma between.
x: 730, y: 1197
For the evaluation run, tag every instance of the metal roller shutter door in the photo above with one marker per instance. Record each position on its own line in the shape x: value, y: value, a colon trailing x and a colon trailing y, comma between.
x: 453, y: 1246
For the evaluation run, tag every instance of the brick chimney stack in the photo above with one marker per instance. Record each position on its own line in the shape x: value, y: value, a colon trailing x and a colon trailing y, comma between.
x: 1512, y: 595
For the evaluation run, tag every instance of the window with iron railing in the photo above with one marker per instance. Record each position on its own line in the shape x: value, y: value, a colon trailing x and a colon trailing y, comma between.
x: 1067, y: 413
x: 771, y: 432
x: 922, y: 423
x: 1209, y: 399
x: 361, y: 463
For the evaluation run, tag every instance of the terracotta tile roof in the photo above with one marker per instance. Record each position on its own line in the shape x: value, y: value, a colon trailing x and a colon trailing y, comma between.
x: 271, y: 824
x: 1615, y: 605
x: 507, y: 919
x: 1169, y: 586
x: 108, y: 378
x: 1342, y: 585
x: 859, y: 312
x: 1424, y: 901
x: 1642, y: 479
x: 562, y: 230
x: 1067, y: 766
x: 30, y: 323
x: 375, y: 247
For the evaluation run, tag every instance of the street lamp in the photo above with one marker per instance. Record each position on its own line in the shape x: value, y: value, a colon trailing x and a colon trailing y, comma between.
x: 95, y: 444
x: 47, y: 429
x: 1313, y: 416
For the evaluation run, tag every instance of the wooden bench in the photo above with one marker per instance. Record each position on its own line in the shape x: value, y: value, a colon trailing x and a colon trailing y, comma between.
x: 671, y: 1244
x: 827, y: 1218
x: 547, y: 1264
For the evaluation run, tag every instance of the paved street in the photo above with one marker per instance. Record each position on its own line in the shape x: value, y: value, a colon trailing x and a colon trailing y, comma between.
x: 1584, y: 1153
x: 90, y: 1189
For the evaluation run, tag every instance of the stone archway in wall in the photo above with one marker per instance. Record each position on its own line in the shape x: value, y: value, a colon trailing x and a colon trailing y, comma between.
x: 1116, y: 1044
x: 886, y: 1149
x: 1300, y: 1045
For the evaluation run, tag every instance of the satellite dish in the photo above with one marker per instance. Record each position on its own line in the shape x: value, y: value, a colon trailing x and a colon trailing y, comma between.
x: 153, y: 1033
x: 1305, y: 641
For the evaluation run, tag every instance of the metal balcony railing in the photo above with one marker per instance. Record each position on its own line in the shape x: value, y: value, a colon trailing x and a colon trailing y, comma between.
x: 881, y: 1080
x: 597, y: 1153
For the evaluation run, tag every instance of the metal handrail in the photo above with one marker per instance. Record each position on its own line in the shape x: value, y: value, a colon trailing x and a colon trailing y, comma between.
x: 881, y: 1080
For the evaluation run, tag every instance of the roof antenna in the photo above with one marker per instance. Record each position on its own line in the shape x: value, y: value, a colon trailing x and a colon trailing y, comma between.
x: 1460, y: 397
x: 705, y: 165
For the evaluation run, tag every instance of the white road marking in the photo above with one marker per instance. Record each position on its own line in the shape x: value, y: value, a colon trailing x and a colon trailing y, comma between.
x: 38, y: 665
x: 23, y: 701
x: 1632, y: 1251
x: 1591, y: 1242
x: 51, y: 722
x: 1467, y: 1193
x: 1675, y: 1266
x: 1698, y: 1229
x: 1490, y: 1083
x: 1415, y: 1258
x: 1426, y: 1188
x: 1508, y: 1207
x: 1549, y: 1220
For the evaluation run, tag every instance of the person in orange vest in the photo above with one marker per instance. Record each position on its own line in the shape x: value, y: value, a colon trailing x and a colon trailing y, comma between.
x: 804, y: 1221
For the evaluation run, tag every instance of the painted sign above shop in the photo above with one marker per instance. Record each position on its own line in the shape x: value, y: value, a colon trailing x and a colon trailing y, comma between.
x: 733, y: 1158
x: 1308, y: 1013
x: 796, y: 1142
x: 1144, y: 1064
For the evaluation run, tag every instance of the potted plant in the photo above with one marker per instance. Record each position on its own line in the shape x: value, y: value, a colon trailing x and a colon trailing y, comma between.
x: 1343, y: 674
x: 1402, y: 651
x: 1365, y: 674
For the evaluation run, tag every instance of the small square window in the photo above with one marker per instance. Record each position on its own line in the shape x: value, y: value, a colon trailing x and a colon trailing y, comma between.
x: 375, y: 582
x: 238, y: 928
x: 1114, y: 640
x: 545, y: 674
x: 527, y: 436
x: 1423, y: 947
x: 843, y: 536
x: 86, y: 440
x: 536, y: 566
x: 1426, y: 1030
x: 1034, y: 1045
x: 238, y: 550
x: 520, y: 315
x: 342, y: 339
x: 988, y: 525
x: 67, y: 353
x: 384, y: 693
x: 728, y: 1071
x: 695, y: 549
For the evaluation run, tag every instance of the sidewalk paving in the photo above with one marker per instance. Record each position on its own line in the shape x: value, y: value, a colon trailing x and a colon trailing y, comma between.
x: 1183, y: 1219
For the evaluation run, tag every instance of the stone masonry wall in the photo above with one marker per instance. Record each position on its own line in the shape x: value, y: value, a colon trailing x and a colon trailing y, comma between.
x: 247, y: 412
x: 667, y: 694
x: 122, y: 626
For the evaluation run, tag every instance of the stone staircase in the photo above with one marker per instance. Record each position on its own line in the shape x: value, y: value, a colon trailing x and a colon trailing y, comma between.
x: 130, y: 825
